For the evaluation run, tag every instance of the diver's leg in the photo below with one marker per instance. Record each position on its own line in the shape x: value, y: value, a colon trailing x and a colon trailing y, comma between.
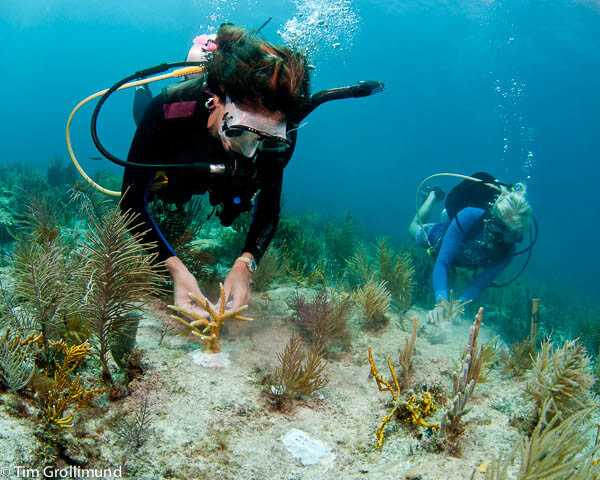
x: 424, y: 213
x: 141, y: 100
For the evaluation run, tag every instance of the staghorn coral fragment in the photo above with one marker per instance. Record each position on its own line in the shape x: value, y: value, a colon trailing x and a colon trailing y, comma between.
x: 208, y: 330
x: 452, y: 307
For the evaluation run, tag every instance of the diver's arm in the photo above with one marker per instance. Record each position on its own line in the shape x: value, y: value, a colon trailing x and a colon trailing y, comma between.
x: 150, y: 146
x: 265, y: 216
x: 484, y: 279
x: 267, y: 204
x: 264, y: 222
x: 452, y: 242
x: 136, y: 186
x: 146, y: 147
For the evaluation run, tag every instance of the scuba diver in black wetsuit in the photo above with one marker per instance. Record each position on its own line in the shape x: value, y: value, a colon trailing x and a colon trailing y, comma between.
x: 241, y: 118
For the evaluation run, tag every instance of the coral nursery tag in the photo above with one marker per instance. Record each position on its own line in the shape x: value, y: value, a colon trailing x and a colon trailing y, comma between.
x: 306, y: 449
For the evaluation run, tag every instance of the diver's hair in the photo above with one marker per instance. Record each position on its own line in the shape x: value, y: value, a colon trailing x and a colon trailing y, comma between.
x: 257, y: 74
x: 513, y: 209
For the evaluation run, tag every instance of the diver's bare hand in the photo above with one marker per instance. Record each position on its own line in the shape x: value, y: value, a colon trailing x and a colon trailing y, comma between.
x: 436, y: 315
x: 237, y: 286
x: 185, y: 283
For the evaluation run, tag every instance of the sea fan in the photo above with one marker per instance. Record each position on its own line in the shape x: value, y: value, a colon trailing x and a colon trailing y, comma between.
x: 119, y: 275
x: 17, y: 359
x: 323, y: 320
x: 398, y: 272
x: 374, y: 299
x: 301, y: 372
x: 44, y: 285
x: 555, y: 451
x: 360, y: 266
x: 563, y: 376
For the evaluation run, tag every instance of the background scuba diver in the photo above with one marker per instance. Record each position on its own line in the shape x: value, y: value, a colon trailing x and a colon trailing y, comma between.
x: 483, y: 235
x: 237, y: 116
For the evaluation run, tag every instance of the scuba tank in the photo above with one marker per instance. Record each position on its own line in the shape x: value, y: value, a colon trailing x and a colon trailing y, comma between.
x: 472, y: 194
x: 482, y: 194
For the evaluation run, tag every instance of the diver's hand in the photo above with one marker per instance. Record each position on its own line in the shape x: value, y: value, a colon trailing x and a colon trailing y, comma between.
x: 237, y: 286
x: 436, y: 316
x: 185, y: 283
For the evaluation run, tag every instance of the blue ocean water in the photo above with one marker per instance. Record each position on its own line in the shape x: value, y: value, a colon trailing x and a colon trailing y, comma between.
x: 510, y: 87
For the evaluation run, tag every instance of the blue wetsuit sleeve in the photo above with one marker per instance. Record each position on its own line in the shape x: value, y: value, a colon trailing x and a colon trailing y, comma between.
x: 452, y: 242
x: 484, y: 279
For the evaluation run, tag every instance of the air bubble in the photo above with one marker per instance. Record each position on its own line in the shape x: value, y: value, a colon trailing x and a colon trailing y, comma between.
x: 318, y: 24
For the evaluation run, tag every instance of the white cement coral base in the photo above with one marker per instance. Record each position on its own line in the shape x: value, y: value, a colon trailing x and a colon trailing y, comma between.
x: 210, y: 360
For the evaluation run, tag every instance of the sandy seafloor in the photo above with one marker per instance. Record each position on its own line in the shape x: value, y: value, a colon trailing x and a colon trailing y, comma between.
x: 215, y: 424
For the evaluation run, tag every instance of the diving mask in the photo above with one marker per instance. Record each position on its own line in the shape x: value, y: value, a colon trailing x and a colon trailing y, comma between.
x: 500, y: 233
x: 244, y: 131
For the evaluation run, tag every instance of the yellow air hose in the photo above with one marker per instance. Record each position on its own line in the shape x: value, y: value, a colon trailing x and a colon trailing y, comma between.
x: 174, y: 74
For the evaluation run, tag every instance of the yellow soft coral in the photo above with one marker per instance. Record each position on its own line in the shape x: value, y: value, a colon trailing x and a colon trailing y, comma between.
x: 417, y: 409
x: 66, y: 392
x: 413, y: 410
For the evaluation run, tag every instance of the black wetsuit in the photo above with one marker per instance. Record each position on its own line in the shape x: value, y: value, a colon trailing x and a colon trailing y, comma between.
x: 173, y: 130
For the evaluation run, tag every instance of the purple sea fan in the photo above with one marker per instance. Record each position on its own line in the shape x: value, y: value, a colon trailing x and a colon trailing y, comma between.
x: 323, y: 321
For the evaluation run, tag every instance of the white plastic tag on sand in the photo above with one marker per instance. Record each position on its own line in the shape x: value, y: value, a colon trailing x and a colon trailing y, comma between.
x: 210, y: 360
x: 306, y: 449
